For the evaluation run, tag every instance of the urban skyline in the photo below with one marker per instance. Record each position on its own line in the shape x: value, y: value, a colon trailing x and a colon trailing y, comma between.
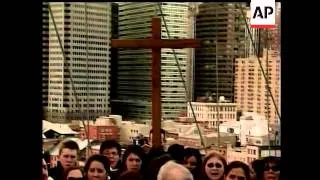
x: 119, y: 76
x: 97, y: 93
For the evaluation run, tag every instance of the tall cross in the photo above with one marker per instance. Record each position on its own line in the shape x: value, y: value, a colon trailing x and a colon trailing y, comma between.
x: 156, y: 43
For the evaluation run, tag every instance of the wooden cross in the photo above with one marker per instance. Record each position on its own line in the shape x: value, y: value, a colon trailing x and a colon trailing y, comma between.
x: 156, y: 43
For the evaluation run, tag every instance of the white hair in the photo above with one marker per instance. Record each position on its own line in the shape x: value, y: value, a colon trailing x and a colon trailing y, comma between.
x: 174, y: 171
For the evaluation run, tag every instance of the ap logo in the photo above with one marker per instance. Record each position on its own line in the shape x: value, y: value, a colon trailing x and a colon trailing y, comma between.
x: 263, y: 13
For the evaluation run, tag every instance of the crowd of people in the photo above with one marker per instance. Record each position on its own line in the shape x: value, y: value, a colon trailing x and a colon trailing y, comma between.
x: 140, y: 163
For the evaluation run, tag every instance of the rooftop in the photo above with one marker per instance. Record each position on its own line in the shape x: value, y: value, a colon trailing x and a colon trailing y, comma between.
x: 57, y: 127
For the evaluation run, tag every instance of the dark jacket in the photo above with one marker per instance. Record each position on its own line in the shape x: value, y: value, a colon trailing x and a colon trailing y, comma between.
x: 115, y: 174
x: 57, y: 173
x: 154, y: 165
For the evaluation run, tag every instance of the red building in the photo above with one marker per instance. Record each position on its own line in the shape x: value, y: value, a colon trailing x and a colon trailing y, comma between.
x: 101, y: 133
x: 103, y: 128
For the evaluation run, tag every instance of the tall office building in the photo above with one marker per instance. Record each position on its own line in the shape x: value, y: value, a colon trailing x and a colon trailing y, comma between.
x: 45, y: 54
x: 114, y: 51
x: 133, y: 89
x: 222, y: 27
x: 85, y: 32
x: 250, y: 86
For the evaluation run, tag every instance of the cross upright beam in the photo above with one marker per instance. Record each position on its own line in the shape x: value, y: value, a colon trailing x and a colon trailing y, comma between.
x: 156, y: 84
x: 156, y: 43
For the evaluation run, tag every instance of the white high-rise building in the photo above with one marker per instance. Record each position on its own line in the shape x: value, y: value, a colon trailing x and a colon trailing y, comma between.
x: 85, y: 32
x: 133, y: 98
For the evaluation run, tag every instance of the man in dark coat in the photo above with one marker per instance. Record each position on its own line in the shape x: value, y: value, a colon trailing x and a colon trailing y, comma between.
x: 112, y: 150
x: 68, y: 158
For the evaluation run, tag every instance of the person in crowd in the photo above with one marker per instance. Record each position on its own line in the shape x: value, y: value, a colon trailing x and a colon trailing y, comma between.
x: 45, y: 166
x: 112, y: 150
x: 153, y: 153
x: 133, y: 158
x: 271, y: 169
x: 68, y: 158
x: 256, y: 169
x: 74, y: 173
x: 131, y: 175
x: 155, y: 158
x: 97, y: 168
x: 237, y: 170
x: 176, y: 151
x: 174, y: 171
x: 148, y: 145
x: 213, y: 167
x: 46, y: 157
x: 44, y: 170
x: 162, y: 133
x: 192, y: 161
x: 153, y: 167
